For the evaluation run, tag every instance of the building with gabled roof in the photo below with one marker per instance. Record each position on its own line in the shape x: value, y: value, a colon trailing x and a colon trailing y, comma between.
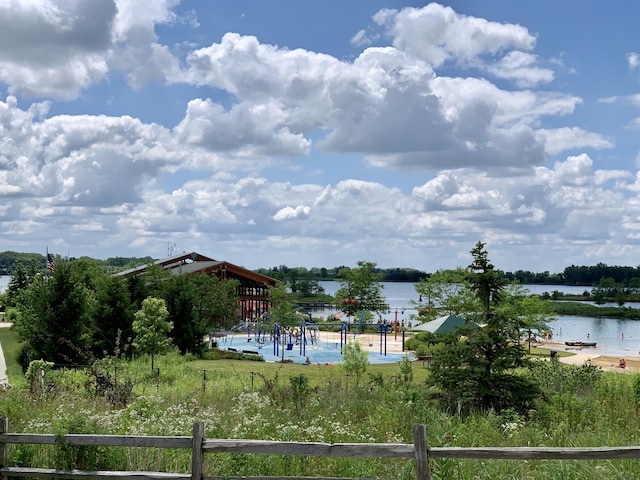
x: 253, y: 288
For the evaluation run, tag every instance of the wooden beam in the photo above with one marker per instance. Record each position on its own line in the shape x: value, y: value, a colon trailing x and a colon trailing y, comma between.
x: 196, y: 451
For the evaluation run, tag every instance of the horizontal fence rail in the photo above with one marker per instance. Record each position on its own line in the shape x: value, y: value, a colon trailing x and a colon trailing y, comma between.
x: 97, y: 440
x: 419, y: 451
x: 536, y: 453
x: 377, y: 450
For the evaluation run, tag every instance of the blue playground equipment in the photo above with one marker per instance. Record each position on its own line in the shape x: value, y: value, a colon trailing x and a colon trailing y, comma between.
x: 306, y: 334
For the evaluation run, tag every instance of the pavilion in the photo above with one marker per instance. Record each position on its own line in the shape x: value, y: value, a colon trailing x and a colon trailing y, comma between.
x: 253, y: 288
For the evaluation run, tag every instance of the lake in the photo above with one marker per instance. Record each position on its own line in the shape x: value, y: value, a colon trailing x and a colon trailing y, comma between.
x: 400, y: 294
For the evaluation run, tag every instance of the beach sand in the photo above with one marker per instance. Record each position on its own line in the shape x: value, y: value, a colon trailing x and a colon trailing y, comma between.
x: 606, y: 362
x: 369, y: 341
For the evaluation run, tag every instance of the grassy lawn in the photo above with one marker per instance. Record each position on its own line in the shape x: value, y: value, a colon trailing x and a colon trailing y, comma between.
x: 244, y: 370
x: 544, y: 352
x: 247, y: 371
x: 318, y: 374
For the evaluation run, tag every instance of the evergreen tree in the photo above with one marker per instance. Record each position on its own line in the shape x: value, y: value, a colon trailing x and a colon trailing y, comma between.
x: 197, y: 304
x: 137, y: 290
x: 477, y: 364
x: 56, y: 317
x: 24, y: 274
x: 114, y: 317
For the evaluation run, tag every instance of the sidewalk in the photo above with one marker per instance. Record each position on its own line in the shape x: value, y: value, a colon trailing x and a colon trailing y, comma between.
x: 579, y: 358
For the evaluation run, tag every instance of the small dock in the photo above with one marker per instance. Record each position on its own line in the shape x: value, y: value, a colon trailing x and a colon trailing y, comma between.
x: 314, y: 306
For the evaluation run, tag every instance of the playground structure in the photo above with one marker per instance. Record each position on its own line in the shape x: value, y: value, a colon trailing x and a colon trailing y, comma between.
x: 304, y: 339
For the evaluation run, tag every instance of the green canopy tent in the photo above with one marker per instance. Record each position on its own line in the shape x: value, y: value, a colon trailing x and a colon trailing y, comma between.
x: 445, y: 324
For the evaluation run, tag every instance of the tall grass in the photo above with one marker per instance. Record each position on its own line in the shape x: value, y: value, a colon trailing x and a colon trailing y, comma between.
x: 257, y: 400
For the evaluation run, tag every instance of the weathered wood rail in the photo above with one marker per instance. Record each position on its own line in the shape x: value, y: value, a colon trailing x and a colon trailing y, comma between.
x: 199, y: 445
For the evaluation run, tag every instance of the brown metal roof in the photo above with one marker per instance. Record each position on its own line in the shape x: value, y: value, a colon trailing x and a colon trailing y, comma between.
x: 193, y: 262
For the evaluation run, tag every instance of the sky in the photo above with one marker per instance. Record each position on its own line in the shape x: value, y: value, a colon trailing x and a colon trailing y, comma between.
x: 322, y: 133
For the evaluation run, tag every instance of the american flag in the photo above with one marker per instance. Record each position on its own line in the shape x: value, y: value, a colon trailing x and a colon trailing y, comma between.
x: 51, y: 264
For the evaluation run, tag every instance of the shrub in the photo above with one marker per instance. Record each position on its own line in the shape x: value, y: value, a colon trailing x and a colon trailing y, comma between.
x: 406, y: 370
x: 300, y: 387
x: 555, y: 377
x: 354, y: 360
x: 36, y: 373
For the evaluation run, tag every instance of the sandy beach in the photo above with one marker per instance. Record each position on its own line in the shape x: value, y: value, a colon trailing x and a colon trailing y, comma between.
x: 606, y: 362
x: 369, y: 341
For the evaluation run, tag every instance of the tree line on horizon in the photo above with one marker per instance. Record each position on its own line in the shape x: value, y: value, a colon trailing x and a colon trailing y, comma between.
x: 581, y: 275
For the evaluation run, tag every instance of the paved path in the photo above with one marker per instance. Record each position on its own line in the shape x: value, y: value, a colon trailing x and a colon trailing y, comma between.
x: 579, y: 358
x: 4, y: 380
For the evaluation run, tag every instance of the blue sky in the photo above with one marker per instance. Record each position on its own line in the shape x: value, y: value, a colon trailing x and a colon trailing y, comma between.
x: 322, y: 133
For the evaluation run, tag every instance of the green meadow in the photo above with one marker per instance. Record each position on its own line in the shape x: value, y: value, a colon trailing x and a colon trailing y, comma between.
x: 583, y: 406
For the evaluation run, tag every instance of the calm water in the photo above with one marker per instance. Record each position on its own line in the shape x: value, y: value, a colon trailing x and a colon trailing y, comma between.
x: 399, y: 294
x: 614, y: 336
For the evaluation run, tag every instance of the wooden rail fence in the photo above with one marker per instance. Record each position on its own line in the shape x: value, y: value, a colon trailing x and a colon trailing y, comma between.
x: 199, y: 445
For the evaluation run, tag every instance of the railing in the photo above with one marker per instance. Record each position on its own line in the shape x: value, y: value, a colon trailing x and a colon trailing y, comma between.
x: 199, y: 445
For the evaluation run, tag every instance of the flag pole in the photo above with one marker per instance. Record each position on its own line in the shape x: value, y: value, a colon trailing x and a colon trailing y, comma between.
x: 51, y: 264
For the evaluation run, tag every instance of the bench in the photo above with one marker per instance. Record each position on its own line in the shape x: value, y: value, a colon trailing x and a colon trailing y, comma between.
x: 250, y: 352
x: 424, y: 359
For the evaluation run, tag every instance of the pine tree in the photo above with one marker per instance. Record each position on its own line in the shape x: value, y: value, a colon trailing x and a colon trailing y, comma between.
x: 477, y: 366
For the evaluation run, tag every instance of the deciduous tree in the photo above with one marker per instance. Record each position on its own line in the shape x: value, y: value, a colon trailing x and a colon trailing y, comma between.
x: 355, y: 360
x: 151, y: 328
x: 446, y: 292
x: 360, y: 290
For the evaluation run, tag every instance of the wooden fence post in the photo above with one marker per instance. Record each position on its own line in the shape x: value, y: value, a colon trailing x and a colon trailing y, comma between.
x: 196, y: 451
x: 4, y: 456
x: 421, y: 452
